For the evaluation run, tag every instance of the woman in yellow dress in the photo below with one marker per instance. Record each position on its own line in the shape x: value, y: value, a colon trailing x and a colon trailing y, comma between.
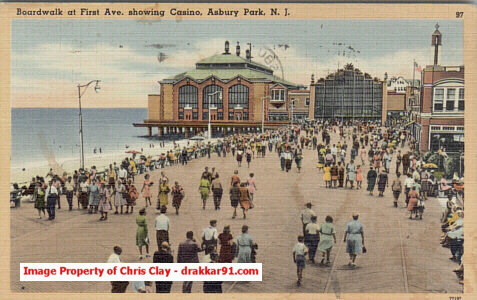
x: 163, y: 194
x: 327, y: 176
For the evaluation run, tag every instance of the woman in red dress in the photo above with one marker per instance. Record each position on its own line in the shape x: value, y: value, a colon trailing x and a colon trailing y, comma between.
x: 225, y: 239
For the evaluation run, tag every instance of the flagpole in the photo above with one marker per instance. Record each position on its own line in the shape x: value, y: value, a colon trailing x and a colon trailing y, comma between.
x: 413, y: 74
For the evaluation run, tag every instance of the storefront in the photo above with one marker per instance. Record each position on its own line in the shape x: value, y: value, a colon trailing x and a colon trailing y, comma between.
x: 451, y: 138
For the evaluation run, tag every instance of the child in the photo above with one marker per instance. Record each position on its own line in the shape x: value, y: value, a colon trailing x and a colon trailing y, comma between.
x: 299, y: 252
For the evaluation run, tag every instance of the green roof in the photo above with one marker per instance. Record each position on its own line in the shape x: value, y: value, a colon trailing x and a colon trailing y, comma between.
x: 228, y: 74
x: 230, y: 59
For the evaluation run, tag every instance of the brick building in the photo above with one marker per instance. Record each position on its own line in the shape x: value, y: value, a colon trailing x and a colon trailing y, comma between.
x: 440, y: 119
x: 239, y: 91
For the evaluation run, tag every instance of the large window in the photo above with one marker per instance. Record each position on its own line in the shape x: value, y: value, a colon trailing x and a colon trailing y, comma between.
x: 188, y: 96
x: 238, y: 95
x: 438, y: 99
x: 461, y: 99
x: 215, y: 100
x: 450, y: 100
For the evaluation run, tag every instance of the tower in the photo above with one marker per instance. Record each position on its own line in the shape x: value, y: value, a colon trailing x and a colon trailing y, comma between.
x: 436, y: 42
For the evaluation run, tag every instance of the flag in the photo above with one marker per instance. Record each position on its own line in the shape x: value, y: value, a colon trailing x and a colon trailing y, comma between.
x: 417, y: 67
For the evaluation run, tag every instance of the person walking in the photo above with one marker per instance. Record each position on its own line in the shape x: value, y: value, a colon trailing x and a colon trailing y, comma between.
x: 162, y: 225
x: 396, y: 188
x: 305, y: 216
x: 248, y: 155
x: 359, y: 177
x: 312, y: 238
x: 408, y: 185
x: 252, y: 186
x: 132, y: 196
x: 146, y: 189
x: 114, y: 258
x: 245, y: 245
x: 239, y: 156
x: 412, y: 207
x: 163, y: 196
x: 217, y: 191
x: 288, y: 159
x: 327, y: 176
x: 334, y: 174
x: 69, y: 188
x: 327, y: 237
x: 163, y: 256
x: 51, y: 196
x: 119, y: 196
x: 39, y: 195
x: 188, y: 253
x: 298, y: 157
x: 141, y: 233
x: 341, y: 174
x: 299, y: 252
x: 245, y: 203
x: 177, y: 196
x: 351, y: 173
x: 235, y: 197
x: 382, y: 182
x: 371, y: 177
x: 210, y: 236
x: 204, y: 189
x: 226, y: 254
x: 354, y: 239
x: 93, y: 197
x: 104, y: 201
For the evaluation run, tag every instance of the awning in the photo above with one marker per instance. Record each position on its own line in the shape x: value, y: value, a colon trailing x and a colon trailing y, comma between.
x: 409, y: 123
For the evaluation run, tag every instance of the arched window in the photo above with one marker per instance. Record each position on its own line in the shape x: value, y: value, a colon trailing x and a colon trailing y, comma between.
x: 215, y: 100
x: 188, y: 96
x: 238, y: 95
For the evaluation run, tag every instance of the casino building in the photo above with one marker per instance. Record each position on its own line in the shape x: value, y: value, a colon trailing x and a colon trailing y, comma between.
x: 236, y: 91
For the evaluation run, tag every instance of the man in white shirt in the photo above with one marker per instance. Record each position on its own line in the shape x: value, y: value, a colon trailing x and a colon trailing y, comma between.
x: 306, y: 215
x: 162, y: 227
x: 122, y: 174
x: 334, y: 152
x: 299, y: 252
x: 408, y: 184
x: 210, y: 236
x: 117, y: 286
x: 51, y: 196
x: 312, y: 238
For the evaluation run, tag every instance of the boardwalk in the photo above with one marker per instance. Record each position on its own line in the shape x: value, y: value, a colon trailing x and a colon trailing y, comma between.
x: 403, y: 255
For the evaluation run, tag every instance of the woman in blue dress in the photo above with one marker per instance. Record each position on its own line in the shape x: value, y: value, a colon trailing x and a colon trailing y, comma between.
x: 93, y: 197
x: 245, y: 245
x: 354, y: 238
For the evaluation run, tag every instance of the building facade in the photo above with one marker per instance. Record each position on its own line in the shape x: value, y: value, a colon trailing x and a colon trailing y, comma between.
x: 236, y: 91
x: 440, y: 120
x: 348, y: 94
x: 400, y: 85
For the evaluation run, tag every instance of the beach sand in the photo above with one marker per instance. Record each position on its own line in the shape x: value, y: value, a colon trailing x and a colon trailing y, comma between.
x: 101, y: 161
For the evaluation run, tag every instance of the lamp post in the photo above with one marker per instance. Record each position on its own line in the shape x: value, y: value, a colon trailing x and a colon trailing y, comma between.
x: 263, y: 112
x: 292, y: 103
x: 80, y: 94
x: 209, y: 128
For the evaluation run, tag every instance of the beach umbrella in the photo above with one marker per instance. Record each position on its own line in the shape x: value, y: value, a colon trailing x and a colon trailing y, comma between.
x: 430, y: 166
x: 133, y: 151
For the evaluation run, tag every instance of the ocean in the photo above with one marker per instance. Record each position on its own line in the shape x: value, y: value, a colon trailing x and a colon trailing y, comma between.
x: 39, y: 133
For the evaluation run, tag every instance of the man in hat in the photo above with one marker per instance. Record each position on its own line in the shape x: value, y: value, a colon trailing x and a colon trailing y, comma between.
x: 162, y: 227
x: 210, y: 236
x: 306, y: 215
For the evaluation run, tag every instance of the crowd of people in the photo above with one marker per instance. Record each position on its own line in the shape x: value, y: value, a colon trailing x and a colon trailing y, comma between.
x: 361, y: 146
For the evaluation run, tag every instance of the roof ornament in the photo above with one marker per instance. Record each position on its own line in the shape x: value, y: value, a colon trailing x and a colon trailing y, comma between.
x: 226, y: 47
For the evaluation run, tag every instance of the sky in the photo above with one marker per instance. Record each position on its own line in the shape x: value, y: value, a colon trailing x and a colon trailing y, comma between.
x: 51, y: 57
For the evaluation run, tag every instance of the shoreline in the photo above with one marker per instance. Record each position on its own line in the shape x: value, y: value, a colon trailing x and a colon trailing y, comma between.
x: 101, y: 161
